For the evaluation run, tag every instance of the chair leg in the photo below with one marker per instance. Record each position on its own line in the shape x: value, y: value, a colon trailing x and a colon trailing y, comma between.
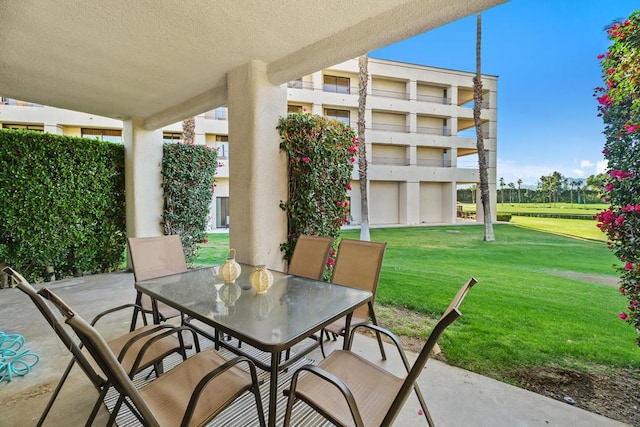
x: 54, y: 396
x: 372, y: 313
x: 96, y: 406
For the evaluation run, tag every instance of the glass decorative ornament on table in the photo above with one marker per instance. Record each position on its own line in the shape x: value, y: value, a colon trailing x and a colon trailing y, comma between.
x: 229, y: 294
x: 230, y: 270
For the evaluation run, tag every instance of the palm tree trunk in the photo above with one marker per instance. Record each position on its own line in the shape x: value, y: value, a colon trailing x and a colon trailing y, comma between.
x: 363, y: 76
x: 189, y: 131
x: 482, y: 155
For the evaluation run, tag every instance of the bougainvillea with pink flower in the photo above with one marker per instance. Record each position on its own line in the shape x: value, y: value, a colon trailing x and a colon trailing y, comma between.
x: 320, y: 153
x: 619, y: 107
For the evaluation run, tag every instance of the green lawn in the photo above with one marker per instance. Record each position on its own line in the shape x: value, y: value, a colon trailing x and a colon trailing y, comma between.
x: 570, y: 227
x: 566, y: 208
x: 526, y: 310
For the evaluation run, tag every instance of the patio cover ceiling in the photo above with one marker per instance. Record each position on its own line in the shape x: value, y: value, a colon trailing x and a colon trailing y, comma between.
x: 163, y: 61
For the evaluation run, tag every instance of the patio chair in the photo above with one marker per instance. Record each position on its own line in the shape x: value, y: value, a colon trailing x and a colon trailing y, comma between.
x: 153, y: 257
x: 358, y: 265
x: 137, y: 350
x: 309, y: 257
x: 191, y: 394
x: 371, y: 396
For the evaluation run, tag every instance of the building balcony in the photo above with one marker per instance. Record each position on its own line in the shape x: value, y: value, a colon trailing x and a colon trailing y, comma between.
x: 434, y: 99
x: 443, y: 131
x: 388, y: 127
x: 434, y: 163
x: 390, y: 161
x: 390, y: 94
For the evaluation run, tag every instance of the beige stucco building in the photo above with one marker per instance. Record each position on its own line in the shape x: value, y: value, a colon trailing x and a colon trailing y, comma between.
x: 420, y: 135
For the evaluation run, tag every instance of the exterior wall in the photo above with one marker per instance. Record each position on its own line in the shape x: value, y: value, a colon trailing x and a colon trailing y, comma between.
x: 420, y: 135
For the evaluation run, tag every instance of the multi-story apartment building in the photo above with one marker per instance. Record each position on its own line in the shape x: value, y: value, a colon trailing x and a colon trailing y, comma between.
x: 420, y: 135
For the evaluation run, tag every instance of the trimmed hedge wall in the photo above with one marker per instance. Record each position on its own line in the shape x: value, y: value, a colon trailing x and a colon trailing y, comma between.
x: 62, y: 203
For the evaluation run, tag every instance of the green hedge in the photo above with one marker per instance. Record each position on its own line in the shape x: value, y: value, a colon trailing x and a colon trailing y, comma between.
x: 505, y: 217
x: 62, y: 203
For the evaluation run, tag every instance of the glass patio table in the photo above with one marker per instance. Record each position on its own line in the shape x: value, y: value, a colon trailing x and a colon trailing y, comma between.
x: 293, y: 309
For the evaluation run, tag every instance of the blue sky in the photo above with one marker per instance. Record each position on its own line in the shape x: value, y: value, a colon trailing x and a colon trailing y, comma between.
x: 544, y: 53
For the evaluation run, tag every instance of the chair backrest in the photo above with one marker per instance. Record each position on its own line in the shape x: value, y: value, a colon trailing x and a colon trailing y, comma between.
x: 159, y: 256
x: 97, y: 346
x: 310, y: 256
x: 449, y: 316
x: 23, y: 285
x: 358, y: 265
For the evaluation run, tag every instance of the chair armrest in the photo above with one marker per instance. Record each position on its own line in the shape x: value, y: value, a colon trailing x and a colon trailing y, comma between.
x: 337, y: 382
x: 210, y: 376
x: 113, y: 310
x: 387, y: 333
x: 170, y: 330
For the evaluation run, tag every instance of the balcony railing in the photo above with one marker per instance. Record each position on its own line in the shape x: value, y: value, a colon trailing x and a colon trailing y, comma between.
x: 390, y: 161
x: 390, y: 127
x: 18, y: 103
x: 434, y: 163
x: 434, y: 99
x: 434, y: 130
x: 340, y: 89
x: 299, y: 84
x: 390, y: 94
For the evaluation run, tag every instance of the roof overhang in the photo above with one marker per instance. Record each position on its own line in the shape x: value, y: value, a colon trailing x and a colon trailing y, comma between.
x: 163, y: 61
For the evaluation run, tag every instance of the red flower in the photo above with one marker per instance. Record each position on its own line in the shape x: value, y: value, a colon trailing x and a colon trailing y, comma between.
x: 601, y: 56
x: 306, y: 159
x: 609, y: 186
x: 619, y: 221
x: 352, y: 149
x: 628, y: 266
x: 353, y: 159
x: 611, y: 71
x: 348, y: 186
x: 331, y: 261
x: 623, y: 315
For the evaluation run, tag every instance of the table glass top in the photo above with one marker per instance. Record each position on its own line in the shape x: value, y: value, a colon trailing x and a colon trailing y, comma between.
x: 291, y: 308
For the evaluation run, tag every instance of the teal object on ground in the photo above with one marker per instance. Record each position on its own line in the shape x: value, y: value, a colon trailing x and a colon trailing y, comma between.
x: 14, y: 360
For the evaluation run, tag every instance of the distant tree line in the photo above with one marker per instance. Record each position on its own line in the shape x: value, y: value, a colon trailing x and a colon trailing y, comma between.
x: 553, y: 188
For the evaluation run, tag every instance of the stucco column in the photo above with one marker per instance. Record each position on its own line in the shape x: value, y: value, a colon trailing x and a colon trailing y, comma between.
x: 257, y: 169
x: 409, y: 201
x: 412, y: 89
x: 143, y: 160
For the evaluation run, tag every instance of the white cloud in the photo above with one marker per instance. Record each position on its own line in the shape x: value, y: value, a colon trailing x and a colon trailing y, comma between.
x: 578, y: 173
x: 586, y: 164
x: 601, y: 166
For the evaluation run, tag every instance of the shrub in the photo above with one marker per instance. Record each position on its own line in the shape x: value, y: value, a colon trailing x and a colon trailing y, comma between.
x: 506, y: 217
x: 321, y: 153
x: 619, y: 106
x: 188, y: 173
x: 62, y: 203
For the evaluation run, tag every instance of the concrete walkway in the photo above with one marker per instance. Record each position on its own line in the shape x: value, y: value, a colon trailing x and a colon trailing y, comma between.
x: 455, y: 397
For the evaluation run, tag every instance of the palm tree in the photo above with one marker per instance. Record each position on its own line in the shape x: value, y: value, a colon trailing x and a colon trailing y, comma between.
x: 489, y: 236
x: 511, y: 188
x: 363, y: 76
x: 519, y: 184
x: 502, y: 184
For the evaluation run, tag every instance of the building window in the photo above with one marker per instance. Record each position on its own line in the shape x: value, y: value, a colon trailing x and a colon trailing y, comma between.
x: 222, y: 146
x: 337, y: 84
x: 341, y: 115
x: 293, y: 108
x: 171, y: 137
x: 220, y: 113
x: 109, y: 135
x: 35, y: 128
x: 222, y: 212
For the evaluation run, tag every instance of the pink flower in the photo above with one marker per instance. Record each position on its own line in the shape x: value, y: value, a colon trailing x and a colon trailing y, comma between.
x: 304, y: 109
x: 609, y: 186
x: 355, y: 139
x: 606, y: 152
x: 420, y: 412
x: 306, y: 159
x: 352, y: 149
x: 601, y: 56
x: 353, y: 159
x: 339, y: 204
x: 631, y: 128
x: 633, y: 305
x: 619, y: 221
x: 605, y: 100
x: 332, y: 252
x: 628, y: 266
x: 348, y: 186
x: 330, y: 261
x: 628, y: 208
x: 623, y: 315
x: 611, y: 71
x: 622, y: 290
x: 610, y: 83
x: 346, y: 203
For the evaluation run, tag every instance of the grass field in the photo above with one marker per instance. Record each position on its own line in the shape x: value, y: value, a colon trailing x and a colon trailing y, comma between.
x: 566, y: 208
x: 529, y: 308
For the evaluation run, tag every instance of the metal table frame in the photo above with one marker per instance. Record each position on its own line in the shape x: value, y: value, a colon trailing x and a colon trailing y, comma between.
x: 294, y: 309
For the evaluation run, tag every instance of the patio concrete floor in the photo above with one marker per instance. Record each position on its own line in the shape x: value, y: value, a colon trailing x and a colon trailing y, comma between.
x: 455, y: 397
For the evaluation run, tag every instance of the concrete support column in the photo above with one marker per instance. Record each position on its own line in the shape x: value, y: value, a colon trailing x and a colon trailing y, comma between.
x: 257, y: 168
x: 409, y: 201
x: 453, y: 94
x: 143, y: 163
x: 449, y: 198
x: 317, y: 109
x: 412, y: 89
x: 317, y: 79
x: 453, y: 157
x: 52, y: 128
x: 412, y: 122
x: 453, y: 125
x: 413, y: 155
